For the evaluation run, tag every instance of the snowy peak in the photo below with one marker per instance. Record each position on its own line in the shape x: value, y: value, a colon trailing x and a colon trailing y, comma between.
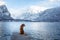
x: 3, y: 10
x: 50, y: 15
x: 4, y: 13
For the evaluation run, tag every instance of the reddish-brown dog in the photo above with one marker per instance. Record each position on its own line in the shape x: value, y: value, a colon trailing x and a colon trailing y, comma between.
x: 21, y: 29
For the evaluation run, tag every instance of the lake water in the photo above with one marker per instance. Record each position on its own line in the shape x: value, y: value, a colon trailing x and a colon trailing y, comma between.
x: 39, y: 30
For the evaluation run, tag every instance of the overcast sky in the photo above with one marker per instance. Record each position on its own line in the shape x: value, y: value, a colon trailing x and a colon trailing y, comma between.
x: 27, y: 3
x: 16, y: 7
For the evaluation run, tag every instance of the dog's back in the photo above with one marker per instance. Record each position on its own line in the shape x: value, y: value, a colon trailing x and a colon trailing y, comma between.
x: 21, y: 29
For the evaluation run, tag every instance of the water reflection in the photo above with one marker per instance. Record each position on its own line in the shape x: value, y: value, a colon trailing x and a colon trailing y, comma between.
x: 42, y: 30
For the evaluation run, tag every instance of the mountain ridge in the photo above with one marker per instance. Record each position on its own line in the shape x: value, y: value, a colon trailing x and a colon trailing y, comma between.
x: 49, y: 15
x: 4, y: 13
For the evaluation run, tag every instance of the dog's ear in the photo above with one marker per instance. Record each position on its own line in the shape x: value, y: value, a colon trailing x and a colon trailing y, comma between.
x: 23, y: 25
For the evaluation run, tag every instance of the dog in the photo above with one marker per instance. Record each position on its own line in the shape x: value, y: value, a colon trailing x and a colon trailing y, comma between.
x: 21, y: 28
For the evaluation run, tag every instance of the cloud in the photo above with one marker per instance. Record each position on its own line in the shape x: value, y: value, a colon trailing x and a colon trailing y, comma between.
x: 36, y: 9
x: 54, y: 0
x: 2, y: 2
x: 15, y: 12
x: 50, y: 3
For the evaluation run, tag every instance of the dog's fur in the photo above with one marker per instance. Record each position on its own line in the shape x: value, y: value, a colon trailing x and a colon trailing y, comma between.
x: 21, y: 29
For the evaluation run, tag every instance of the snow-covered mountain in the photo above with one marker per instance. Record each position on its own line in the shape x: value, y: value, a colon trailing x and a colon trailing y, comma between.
x: 28, y: 16
x: 4, y: 13
x: 50, y: 15
x: 31, y: 13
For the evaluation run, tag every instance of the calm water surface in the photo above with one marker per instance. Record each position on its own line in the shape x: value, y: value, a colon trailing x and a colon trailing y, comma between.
x: 39, y: 30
